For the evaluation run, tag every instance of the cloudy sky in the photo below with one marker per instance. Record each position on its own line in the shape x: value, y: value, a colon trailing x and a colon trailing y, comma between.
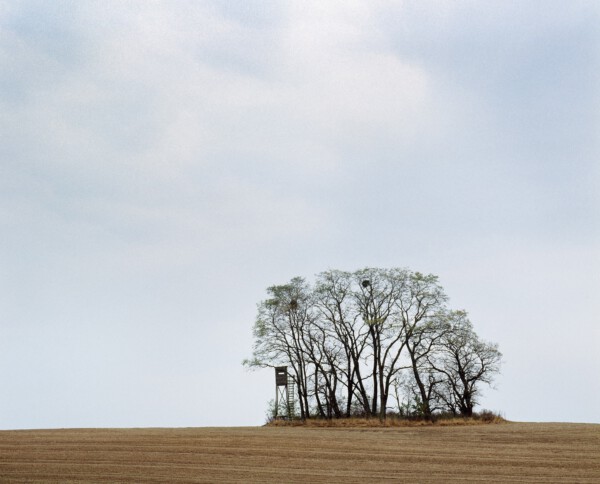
x: 162, y: 163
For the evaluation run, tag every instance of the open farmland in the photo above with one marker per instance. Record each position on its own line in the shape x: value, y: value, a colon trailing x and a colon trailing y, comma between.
x: 511, y: 452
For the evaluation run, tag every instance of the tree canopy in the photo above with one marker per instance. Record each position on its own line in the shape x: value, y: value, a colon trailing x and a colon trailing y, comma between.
x: 371, y: 342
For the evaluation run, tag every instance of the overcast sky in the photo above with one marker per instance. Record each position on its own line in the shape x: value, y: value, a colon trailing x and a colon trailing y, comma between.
x: 163, y: 163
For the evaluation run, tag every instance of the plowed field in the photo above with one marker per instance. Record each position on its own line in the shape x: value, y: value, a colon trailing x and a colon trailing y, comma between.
x: 510, y: 452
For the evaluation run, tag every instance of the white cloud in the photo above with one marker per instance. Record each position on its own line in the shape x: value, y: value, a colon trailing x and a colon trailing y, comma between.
x: 163, y: 162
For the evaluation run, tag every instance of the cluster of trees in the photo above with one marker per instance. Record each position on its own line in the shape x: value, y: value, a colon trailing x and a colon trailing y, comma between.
x: 372, y: 342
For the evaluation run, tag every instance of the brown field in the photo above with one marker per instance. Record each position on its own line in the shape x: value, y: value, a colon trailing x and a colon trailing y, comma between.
x: 510, y: 452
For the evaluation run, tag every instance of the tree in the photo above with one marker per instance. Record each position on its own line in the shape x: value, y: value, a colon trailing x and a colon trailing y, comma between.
x: 464, y: 362
x: 278, y: 333
x: 421, y: 307
x: 333, y: 300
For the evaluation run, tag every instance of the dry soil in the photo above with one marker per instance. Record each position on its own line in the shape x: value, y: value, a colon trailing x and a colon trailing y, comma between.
x: 510, y: 452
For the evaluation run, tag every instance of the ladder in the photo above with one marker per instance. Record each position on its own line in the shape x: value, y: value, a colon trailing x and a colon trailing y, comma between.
x: 290, y: 400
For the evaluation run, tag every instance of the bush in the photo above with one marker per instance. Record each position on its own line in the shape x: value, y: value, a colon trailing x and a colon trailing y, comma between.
x: 488, y: 416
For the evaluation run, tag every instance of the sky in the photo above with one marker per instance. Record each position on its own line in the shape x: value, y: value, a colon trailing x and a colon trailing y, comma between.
x: 163, y: 162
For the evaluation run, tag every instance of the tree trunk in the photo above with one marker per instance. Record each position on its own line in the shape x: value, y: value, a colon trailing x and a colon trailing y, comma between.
x: 426, y: 410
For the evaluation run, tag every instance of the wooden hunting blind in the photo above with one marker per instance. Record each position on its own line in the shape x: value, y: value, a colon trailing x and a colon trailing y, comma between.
x: 284, y: 393
x: 281, y: 376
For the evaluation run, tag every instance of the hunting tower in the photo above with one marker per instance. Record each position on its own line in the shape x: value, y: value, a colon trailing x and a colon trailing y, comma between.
x: 284, y: 393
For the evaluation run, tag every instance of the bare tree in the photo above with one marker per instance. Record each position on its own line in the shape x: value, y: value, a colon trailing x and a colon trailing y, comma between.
x: 420, y: 307
x: 465, y: 362
x: 278, y: 334
x: 333, y: 299
x: 378, y: 299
